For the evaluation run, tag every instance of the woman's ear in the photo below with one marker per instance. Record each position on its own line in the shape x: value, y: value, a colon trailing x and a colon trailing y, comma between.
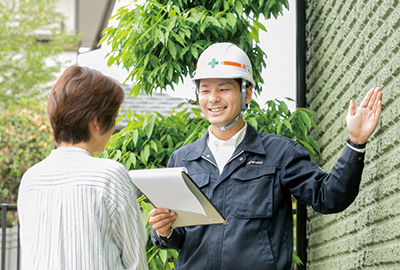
x: 95, y: 124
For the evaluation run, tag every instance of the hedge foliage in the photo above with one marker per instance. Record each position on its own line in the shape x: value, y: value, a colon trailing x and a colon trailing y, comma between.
x: 25, y: 139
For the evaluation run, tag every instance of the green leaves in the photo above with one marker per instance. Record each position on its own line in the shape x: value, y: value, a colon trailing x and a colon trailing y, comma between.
x: 148, y: 125
x: 149, y: 139
x: 277, y: 119
x: 160, y: 41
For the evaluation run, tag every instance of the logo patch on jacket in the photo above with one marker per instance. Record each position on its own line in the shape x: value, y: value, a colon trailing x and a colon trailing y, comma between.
x: 255, y: 162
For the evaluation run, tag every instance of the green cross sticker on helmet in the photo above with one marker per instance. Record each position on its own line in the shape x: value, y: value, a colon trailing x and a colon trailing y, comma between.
x: 213, y: 63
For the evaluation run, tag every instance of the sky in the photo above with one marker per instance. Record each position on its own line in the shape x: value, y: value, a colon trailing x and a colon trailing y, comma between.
x: 278, y: 43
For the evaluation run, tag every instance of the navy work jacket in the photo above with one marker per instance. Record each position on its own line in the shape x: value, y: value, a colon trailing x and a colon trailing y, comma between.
x: 254, y: 194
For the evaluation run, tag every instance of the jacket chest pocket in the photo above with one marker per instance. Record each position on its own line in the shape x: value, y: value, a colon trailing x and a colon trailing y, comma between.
x: 202, y: 180
x: 253, y: 192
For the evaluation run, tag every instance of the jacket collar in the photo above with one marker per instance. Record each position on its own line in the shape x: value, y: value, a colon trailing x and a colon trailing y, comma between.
x: 251, y: 143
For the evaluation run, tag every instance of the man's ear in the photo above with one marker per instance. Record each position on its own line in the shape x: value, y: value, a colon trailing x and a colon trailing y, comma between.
x: 249, y: 94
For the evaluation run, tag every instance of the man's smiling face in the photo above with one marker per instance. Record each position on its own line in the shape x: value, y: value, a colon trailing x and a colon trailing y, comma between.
x: 220, y: 100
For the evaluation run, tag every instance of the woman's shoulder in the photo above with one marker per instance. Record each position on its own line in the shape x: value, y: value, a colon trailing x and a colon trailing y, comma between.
x: 104, y: 164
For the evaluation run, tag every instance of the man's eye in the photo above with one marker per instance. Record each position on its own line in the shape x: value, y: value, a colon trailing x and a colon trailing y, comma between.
x: 203, y: 91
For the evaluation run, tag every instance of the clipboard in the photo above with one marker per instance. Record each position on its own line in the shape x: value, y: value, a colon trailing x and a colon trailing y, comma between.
x: 174, y: 189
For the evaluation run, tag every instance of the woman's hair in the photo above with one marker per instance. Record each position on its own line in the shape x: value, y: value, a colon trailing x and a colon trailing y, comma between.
x: 80, y: 95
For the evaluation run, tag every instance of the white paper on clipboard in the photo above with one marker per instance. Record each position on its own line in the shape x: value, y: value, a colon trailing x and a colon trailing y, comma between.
x: 153, y: 184
x: 173, y: 188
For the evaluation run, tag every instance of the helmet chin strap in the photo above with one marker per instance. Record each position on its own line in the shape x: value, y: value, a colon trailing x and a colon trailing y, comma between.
x: 243, y: 97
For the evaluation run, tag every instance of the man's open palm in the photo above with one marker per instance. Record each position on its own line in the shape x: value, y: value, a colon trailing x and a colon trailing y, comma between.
x: 362, y: 122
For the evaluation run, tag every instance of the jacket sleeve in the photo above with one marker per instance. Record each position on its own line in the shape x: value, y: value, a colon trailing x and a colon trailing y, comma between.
x: 174, y: 242
x: 325, y: 192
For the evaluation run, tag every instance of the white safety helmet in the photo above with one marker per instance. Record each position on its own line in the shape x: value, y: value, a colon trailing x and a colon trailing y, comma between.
x: 225, y: 60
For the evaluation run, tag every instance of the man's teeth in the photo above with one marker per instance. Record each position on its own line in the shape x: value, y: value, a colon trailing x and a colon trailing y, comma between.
x: 216, y: 110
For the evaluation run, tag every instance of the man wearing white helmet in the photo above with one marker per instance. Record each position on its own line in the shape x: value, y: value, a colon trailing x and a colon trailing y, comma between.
x: 250, y: 176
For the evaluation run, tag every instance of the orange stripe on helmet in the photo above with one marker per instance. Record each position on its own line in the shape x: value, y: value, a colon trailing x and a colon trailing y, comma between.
x: 229, y: 63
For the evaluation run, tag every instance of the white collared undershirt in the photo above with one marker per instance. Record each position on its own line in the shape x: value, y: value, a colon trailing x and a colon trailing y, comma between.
x: 223, y: 150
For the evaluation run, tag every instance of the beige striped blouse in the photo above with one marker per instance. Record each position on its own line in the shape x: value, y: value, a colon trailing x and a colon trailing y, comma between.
x: 80, y: 212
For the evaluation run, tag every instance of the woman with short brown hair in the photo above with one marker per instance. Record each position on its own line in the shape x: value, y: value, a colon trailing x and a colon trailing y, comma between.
x: 77, y: 211
x: 79, y: 96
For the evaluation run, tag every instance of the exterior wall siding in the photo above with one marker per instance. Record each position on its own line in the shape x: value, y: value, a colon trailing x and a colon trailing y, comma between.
x: 353, y: 46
